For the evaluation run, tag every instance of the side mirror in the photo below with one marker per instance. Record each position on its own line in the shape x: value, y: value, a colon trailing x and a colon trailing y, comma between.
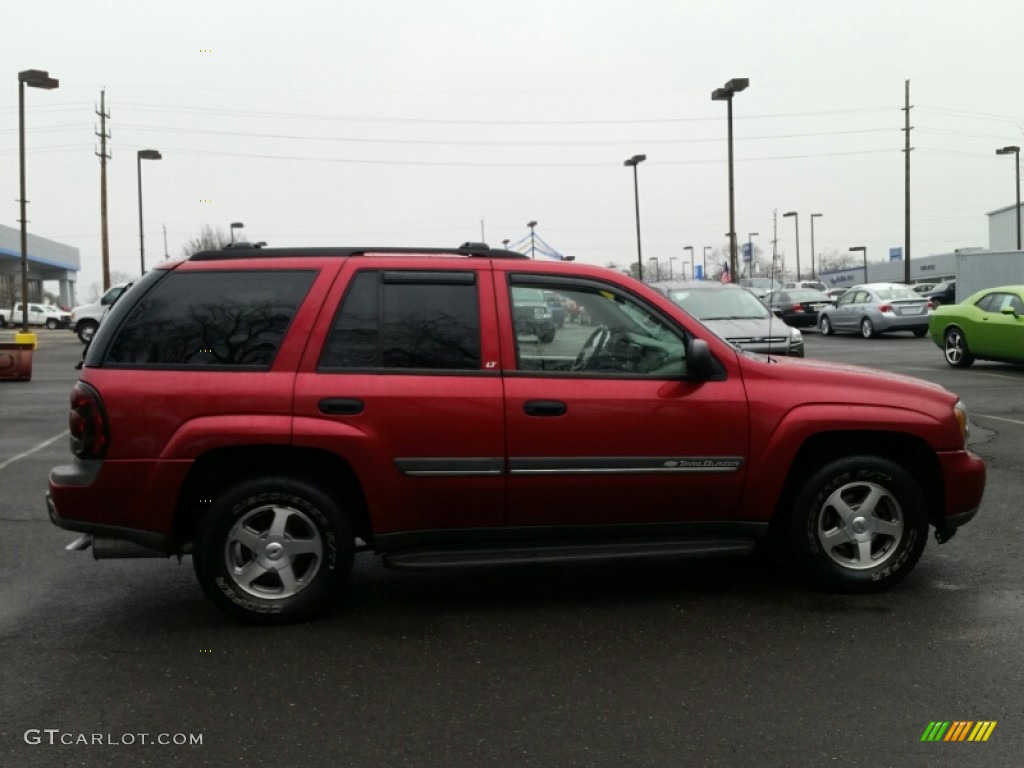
x: 699, y: 362
x: 1009, y: 310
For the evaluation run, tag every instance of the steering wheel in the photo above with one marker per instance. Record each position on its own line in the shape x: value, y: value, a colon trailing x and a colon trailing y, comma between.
x: 593, y: 345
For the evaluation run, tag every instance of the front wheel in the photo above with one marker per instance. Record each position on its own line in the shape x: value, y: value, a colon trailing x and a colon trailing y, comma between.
x: 85, y: 330
x: 867, y: 330
x: 273, y: 550
x: 859, y: 524
x: 826, y: 326
x: 51, y: 324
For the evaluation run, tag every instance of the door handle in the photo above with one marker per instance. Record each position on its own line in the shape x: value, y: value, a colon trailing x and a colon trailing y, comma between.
x: 340, y: 406
x: 544, y: 408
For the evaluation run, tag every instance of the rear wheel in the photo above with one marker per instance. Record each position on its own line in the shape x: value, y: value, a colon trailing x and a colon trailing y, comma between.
x: 273, y: 550
x: 859, y: 524
x: 867, y: 329
x: 826, y: 326
x: 955, y: 349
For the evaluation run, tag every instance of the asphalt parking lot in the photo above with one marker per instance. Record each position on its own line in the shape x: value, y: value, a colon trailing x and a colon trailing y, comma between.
x: 725, y: 663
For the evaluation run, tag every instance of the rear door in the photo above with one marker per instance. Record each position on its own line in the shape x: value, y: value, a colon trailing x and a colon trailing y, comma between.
x: 604, y: 427
x: 402, y: 381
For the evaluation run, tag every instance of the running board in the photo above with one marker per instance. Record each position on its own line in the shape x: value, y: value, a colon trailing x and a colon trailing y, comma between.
x: 422, y: 558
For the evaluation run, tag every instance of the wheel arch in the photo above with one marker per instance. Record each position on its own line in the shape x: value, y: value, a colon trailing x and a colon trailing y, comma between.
x: 908, y: 451
x: 219, y: 468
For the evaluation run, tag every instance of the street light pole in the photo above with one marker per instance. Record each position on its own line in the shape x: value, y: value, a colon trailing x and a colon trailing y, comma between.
x: 690, y: 249
x: 143, y: 154
x: 634, y: 161
x: 725, y: 94
x: 863, y: 250
x: 796, y: 219
x: 655, y: 268
x: 33, y: 78
x: 671, y: 271
x: 1015, y: 151
x: 235, y: 225
x: 531, y: 225
x: 704, y: 269
x: 813, y: 216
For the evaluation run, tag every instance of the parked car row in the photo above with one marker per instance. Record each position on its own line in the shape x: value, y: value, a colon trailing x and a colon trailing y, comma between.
x: 38, y: 314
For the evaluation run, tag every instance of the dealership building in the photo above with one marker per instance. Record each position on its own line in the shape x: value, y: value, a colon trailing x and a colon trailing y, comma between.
x: 48, y: 260
x: 1002, y: 259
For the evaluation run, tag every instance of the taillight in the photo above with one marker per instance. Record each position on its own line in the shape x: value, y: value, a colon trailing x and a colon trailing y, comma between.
x: 798, y: 308
x: 90, y: 434
x: 932, y: 304
x: 885, y: 308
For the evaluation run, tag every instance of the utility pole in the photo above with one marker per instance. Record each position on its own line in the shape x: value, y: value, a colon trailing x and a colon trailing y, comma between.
x: 775, y: 241
x: 906, y: 185
x: 104, y: 156
x: 165, y: 242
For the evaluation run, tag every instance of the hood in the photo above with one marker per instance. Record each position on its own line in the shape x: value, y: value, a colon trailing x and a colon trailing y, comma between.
x: 749, y: 329
x: 851, y: 382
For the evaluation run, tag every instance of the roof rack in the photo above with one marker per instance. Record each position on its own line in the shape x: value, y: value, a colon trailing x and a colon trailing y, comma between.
x: 249, y: 250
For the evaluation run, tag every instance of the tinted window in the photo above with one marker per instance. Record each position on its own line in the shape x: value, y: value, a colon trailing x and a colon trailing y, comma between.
x: 427, y: 320
x: 987, y: 302
x: 200, y: 319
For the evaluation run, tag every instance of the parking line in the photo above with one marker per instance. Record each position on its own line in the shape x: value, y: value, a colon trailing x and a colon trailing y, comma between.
x: 983, y: 415
x: 30, y: 451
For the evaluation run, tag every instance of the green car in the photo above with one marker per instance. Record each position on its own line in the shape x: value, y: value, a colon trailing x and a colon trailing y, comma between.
x: 986, y: 326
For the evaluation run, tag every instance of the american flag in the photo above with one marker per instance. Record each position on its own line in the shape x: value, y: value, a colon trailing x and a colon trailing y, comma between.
x: 726, y: 276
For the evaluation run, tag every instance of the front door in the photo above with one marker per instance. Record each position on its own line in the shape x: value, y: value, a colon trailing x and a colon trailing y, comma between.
x: 605, y: 427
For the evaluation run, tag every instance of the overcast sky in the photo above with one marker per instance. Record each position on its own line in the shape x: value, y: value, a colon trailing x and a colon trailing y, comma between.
x: 405, y: 122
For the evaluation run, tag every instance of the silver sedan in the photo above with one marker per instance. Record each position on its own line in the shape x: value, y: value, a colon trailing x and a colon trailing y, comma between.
x: 876, y: 308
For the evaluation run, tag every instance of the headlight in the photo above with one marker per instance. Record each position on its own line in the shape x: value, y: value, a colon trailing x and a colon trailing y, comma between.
x: 960, y: 414
x: 795, y: 336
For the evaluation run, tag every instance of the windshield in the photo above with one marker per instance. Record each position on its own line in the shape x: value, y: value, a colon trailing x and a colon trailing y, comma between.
x: 719, y: 303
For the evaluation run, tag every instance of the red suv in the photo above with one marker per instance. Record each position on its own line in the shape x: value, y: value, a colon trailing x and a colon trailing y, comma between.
x: 275, y: 411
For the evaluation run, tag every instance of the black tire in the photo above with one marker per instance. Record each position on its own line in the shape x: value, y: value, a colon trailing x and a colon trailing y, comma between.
x: 871, y: 548
x: 867, y: 329
x: 920, y: 332
x: 546, y: 333
x: 51, y: 324
x: 85, y: 330
x: 826, y: 326
x: 955, y: 349
x: 265, y: 576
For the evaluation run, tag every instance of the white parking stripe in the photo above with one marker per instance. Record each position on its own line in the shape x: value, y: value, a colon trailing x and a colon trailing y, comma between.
x: 983, y: 415
x: 30, y: 451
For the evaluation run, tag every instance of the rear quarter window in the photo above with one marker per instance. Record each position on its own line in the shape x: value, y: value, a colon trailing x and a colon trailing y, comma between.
x: 210, y: 319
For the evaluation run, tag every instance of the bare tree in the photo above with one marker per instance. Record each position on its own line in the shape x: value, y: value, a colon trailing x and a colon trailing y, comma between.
x: 835, y: 259
x: 208, y: 239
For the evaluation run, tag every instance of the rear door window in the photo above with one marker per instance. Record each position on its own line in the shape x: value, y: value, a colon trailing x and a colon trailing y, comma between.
x: 406, y: 320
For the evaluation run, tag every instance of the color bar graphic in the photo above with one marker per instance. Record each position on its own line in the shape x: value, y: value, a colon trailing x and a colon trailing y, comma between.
x: 958, y: 730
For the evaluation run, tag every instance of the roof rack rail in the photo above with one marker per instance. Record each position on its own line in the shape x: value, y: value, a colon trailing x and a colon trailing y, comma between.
x: 255, y: 250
